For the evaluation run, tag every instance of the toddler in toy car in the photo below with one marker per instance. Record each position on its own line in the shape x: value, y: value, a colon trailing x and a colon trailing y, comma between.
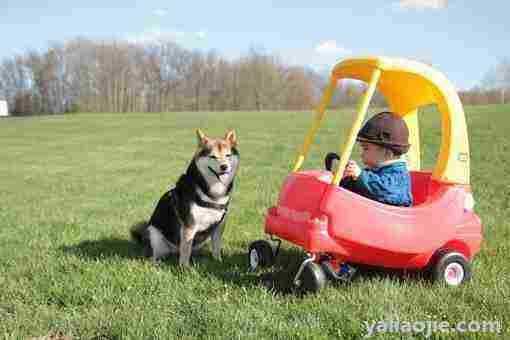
x: 386, y: 179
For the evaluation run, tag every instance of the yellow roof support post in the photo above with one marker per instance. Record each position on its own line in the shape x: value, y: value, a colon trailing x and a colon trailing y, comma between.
x: 346, y: 151
x: 453, y: 159
x: 326, y: 99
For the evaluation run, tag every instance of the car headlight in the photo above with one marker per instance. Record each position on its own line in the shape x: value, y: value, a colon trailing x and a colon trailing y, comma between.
x: 469, y: 202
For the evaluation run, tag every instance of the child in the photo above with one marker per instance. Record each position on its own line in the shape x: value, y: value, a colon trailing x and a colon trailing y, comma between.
x: 384, y: 138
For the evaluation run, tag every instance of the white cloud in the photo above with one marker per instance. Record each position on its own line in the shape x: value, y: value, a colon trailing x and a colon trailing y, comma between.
x: 160, y: 12
x: 420, y: 4
x: 330, y: 46
x: 155, y: 34
x: 321, y: 62
x: 201, y: 34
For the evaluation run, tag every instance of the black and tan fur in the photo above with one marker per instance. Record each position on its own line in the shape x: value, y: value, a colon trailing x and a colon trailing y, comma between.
x: 197, y: 207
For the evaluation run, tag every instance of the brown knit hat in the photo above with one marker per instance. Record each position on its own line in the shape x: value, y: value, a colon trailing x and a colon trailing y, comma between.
x: 388, y: 130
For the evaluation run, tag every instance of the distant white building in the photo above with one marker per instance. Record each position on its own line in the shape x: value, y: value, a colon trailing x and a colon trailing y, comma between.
x: 4, y: 111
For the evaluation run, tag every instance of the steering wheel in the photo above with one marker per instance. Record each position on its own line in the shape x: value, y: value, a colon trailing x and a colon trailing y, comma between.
x: 330, y: 158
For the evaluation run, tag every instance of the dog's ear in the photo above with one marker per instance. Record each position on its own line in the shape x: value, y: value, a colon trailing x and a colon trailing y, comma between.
x: 231, y: 138
x: 201, y: 137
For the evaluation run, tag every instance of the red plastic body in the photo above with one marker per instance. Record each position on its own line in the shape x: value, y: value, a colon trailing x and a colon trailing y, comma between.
x: 323, y: 218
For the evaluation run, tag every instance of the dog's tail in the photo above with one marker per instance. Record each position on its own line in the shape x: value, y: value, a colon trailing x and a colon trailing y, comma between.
x: 137, y: 231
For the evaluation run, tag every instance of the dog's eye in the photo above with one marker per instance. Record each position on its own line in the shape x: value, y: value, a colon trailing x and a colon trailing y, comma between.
x: 213, y: 157
x: 228, y: 156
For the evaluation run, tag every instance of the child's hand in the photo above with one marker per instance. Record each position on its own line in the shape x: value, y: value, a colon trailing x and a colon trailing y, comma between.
x: 352, y: 170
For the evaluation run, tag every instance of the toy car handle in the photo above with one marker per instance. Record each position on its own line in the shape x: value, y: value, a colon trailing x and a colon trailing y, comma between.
x: 328, y: 161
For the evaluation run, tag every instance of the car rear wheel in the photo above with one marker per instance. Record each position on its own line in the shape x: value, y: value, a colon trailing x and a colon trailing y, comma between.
x: 313, y: 278
x: 260, y: 254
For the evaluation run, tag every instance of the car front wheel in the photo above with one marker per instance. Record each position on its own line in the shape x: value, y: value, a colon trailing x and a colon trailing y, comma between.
x: 452, y: 268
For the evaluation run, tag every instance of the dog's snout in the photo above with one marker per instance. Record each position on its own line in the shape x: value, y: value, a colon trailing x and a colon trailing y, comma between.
x: 224, y: 167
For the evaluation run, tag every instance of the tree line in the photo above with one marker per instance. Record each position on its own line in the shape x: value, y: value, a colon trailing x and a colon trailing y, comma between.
x: 121, y: 76
x: 494, y: 88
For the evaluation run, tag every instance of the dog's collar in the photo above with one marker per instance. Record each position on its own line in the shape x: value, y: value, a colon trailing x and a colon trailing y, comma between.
x: 201, y: 202
x: 206, y: 204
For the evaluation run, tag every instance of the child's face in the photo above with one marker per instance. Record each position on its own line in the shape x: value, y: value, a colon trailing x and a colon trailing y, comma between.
x: 372, y: 154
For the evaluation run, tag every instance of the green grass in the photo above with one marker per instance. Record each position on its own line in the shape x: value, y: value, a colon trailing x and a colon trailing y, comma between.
x: 71, y: 186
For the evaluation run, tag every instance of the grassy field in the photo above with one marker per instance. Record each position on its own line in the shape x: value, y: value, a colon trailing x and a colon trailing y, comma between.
x: 71, y: 186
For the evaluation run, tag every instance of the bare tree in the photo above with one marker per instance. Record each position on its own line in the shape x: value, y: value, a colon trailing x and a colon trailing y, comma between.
x: 120, y: 76
x: 15, y: 83
x: 498, y: 79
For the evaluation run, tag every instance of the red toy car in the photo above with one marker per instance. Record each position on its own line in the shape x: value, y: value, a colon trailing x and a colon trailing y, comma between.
x: 338, y: 228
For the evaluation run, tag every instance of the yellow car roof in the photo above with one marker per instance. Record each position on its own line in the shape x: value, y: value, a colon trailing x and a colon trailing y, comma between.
x: 407, y: 85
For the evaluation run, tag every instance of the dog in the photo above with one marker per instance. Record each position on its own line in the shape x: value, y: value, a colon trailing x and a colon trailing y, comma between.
x: 197, y: 207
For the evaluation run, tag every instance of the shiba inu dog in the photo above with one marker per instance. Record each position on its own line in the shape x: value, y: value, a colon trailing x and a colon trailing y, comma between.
x: 197, y: 207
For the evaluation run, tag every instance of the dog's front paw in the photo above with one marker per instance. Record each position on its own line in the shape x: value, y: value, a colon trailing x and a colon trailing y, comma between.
x: 216, y: 253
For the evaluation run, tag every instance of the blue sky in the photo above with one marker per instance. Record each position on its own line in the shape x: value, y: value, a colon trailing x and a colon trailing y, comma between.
x: 461, y: 38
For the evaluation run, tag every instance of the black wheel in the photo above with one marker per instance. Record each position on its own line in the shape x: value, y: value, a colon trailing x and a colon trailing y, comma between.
x: 260, y: 254
x: 313, y: 278
x: 451, y: 268
x: 268, y: 280
x: 330, y: 158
